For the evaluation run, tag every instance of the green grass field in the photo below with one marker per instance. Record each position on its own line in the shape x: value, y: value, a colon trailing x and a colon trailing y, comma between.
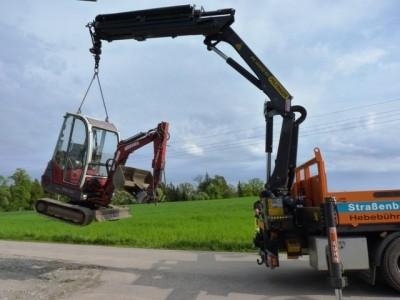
x: 217, y: 225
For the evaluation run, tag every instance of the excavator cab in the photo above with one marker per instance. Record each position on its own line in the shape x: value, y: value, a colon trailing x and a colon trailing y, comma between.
x: 83, y: 149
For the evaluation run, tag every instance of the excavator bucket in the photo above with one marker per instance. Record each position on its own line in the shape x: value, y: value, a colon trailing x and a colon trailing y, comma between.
x: 132, y: 180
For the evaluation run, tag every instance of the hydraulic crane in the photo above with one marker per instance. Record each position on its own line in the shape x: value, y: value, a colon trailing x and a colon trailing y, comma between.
x: 215, y: 26
x: 298, y: 214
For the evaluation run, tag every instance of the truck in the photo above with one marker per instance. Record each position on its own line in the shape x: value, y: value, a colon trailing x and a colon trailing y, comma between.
x: 339, y: 231
x: 367, y: 235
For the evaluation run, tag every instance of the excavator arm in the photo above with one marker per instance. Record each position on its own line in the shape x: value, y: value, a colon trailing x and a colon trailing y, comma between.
x: 186, y: 20
x: 133, y: 179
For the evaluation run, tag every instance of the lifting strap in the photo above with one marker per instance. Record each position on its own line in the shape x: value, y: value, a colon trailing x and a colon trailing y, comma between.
x: 95, y: 75
x: 96, y: 53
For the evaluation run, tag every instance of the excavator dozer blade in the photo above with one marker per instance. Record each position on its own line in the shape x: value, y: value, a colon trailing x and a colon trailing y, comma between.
x: 68, y: 213
x: 111, y: 213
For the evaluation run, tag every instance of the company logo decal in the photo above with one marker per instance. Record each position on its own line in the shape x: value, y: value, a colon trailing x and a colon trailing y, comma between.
x: 370, y: 212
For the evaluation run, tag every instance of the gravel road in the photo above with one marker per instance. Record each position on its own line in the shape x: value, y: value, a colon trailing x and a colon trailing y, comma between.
x: 27, y: 278
x: 57, y: 271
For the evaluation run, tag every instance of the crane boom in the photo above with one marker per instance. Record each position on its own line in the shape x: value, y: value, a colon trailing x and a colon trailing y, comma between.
x: 215, y: 26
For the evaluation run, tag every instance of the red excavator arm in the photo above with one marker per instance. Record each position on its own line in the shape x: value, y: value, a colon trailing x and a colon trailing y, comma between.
x: 133, y: 179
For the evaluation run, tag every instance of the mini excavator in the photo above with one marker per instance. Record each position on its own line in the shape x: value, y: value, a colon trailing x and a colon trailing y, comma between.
x: 89, y: 163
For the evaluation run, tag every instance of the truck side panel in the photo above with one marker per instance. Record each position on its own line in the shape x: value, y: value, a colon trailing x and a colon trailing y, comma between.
x: 353, y: 253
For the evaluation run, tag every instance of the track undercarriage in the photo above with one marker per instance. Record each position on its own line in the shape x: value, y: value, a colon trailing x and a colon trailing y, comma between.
x: 77, y: 214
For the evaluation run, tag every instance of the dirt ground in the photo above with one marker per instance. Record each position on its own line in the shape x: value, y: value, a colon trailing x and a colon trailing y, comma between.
x: 22, y: 278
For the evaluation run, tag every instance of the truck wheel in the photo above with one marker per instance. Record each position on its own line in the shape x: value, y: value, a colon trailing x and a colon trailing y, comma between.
x: 391, y: 264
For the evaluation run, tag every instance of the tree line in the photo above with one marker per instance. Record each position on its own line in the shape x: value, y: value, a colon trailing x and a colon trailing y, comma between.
x: 19, y: 191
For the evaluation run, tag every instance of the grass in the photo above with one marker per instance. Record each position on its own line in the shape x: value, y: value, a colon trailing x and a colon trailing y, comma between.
x: 217, y: 225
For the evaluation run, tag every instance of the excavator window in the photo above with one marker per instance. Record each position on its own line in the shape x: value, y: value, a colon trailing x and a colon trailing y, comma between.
x: 103, y: 146
x: 71, y: 150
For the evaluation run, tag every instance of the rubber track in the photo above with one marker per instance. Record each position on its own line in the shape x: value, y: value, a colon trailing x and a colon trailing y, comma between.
x: 68, y: 213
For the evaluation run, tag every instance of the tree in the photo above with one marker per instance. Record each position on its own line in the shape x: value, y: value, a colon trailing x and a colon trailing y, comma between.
x: 257, y: 186
x: 247, y: 190
x: 239, y: 190
x: 219, y: 188
x: 230, y: 192
x: 201, y: 196
x: 198, y: 179
x: 21, y: 178
x: 204, y: 184
x: 36, y: 192
x: 186, y: 191
x: 3, y: 181
x: 5, y: 195
x: 20, y: 197
x: 215, y: 187
x: 160, y: 194
x: 251, y: 188
x: 20, y: 191
x: 171, y: 192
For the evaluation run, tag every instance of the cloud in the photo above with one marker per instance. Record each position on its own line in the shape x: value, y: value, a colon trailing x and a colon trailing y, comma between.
x: 351, y: 62
x: 193, y: 149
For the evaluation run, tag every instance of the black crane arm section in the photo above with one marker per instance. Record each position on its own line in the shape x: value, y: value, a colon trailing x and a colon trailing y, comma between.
x: 215, y: 27
x: 186, y: 20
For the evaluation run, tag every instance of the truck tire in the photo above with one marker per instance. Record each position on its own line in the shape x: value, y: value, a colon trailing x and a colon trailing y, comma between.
x: 390, y: 267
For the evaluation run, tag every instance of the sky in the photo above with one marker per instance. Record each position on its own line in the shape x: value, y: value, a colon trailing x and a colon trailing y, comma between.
x: 339, y: 59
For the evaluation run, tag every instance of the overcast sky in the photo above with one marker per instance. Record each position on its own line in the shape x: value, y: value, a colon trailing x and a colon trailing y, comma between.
x: 339, y: 59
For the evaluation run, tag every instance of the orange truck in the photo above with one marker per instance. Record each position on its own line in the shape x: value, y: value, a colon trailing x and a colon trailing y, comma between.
x: 367, y: 225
